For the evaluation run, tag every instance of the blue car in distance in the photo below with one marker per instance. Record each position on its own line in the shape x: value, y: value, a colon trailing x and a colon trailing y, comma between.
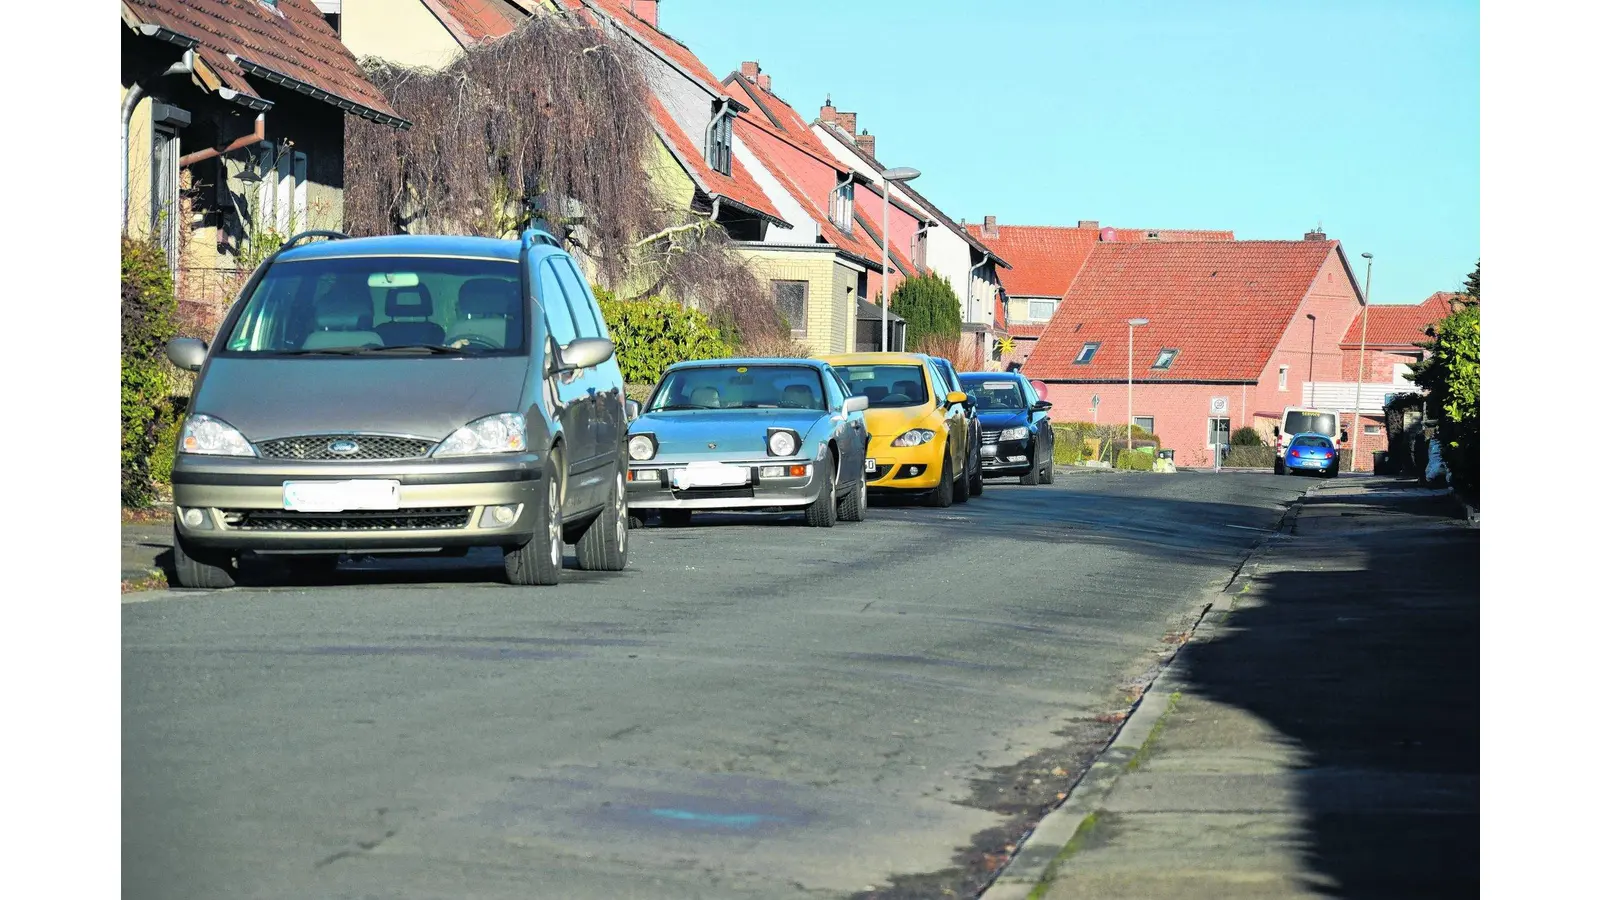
x: 1311, y: 452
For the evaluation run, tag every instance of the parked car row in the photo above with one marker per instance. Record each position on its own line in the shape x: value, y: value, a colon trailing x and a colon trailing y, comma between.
x: 427, y: 395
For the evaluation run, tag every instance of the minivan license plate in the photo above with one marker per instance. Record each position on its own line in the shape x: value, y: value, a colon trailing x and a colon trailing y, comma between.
x: 339, y: 496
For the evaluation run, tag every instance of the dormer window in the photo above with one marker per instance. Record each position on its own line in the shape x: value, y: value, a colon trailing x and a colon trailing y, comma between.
x: 719, y: 141
x: 1164, y: 358
x: 1087, y: 353
x: 842, y: 206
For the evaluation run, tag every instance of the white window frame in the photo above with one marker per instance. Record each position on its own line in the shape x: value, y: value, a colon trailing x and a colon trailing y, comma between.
x: 164, y: 152
x: 1035, y: 317
x: 1211, y: 430
x: 1371, y: 428
x: 719, y: 141
x: 842, y: 206
x: 283, y: 203
x: 1086, y: 353
x: 1138, y: 422
x: 805, y: 304
x: 1283, y: 378
x: 301, y: 210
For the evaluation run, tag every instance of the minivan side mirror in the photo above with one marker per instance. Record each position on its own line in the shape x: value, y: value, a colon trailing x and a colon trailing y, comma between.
x: 854, y: 404
x: 585, y: 353
x: 188, y: 354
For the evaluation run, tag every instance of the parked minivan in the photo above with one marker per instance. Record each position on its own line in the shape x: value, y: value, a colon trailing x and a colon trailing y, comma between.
x: 410, y: 394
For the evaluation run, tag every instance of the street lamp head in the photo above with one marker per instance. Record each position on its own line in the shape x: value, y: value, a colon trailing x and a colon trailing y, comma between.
x: 902, y: 173
x: 1311, y: 317
x: 1366, y: 256
x: 1138, y: 321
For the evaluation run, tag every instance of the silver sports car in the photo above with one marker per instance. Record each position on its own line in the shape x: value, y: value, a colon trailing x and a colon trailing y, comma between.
x: 750, y: 434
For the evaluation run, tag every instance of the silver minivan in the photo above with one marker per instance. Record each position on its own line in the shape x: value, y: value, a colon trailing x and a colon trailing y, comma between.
x: 412, y: 394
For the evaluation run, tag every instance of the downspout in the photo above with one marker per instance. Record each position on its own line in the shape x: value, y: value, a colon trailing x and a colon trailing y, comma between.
x: 184, y: 66
x: 973, y: 273
x: 256, y: 137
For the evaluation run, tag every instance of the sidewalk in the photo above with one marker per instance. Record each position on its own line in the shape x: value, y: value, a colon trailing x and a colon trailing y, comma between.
x: 1317, y: 737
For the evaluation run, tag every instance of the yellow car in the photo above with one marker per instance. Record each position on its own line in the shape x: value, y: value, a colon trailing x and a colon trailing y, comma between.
x: 916, y: 424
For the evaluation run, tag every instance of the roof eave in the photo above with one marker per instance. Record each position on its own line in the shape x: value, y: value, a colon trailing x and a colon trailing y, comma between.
x: 316, y: 93
x: 750, y: 209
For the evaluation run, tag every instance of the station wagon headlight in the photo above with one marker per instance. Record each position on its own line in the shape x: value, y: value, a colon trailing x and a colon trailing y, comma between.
x: 203, y: 435
x: 916, y: 437
x: 1014, y: 434
x: 782, y: 442
x: 641, y: 447
x: 503, y: 433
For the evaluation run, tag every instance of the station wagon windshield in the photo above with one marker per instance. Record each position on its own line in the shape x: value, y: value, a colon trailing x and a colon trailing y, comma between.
x: 886, y: 385
x: 740, y: 387
x: 1301, y: 423
x: 383, y: 306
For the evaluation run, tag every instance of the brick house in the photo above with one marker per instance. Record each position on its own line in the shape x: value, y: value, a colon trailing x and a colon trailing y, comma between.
x: 1393, y: 335
x: 1228, y: 320
x: 245, y: 104
x: 1044, y: 259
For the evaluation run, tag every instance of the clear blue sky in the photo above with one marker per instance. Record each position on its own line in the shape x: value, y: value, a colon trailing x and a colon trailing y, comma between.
x: 1265, y: 117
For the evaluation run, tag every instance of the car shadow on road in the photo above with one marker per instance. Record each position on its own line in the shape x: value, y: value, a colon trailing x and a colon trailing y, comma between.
x: 1370, y: 666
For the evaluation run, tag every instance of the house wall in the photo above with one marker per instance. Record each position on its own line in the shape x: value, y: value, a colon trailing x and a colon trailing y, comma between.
x: 1380, y: 366
x: 402, y: 31
x: 1181, y: 411
x: 830, y: 297
x: 1333, y: 299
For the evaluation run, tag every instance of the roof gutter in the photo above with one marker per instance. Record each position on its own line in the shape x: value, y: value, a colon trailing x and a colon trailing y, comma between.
x: 316, y: 93
x: 136, y: 92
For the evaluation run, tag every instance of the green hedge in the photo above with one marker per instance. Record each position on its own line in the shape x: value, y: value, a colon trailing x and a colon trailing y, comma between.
x: 1136, y: 460
x: 1246, y: 437
x: 653, y: 334
x: 1068, y: 446
x: 1249, y: 457
x: 149, y: 320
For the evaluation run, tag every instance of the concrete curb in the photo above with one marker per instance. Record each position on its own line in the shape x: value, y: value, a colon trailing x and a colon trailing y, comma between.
x: 1040, y: 854
x: 1468, y: 511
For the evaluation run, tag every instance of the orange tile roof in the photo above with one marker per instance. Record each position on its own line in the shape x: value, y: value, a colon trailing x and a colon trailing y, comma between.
x: 740, y: 186
x: 1223, y: 305
x: 754, y: 138
x: 897, y: 256
x: 243, y: 42
x: 1399, y: 325
x: 1028, y: 331
x: 657, y: 39
x: 1045, y: 258
x: 474, y: 21
x: 784, y: 120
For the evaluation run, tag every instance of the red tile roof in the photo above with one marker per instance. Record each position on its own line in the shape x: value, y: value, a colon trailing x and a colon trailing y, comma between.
x: 1028, y: 331
x: 782, y: 118
x: 473, y: 21
x: 243, y: 42
x: 1045, y: 258
x: 756, y: 140
x: 655, y: 38
x: 740, y: 186
x: 1223, y: 305
x: 897, y: 256
x: 1399, y: 325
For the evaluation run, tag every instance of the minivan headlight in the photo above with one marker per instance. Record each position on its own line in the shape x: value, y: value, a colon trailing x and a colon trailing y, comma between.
x: 503, y: 433
x: 1014, y: 434
x: 206, y: 436
x: 916, y: 437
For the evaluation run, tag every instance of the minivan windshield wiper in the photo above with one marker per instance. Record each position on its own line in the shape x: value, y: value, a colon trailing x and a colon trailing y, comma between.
x: 433, y: 349
x: 677, y: 406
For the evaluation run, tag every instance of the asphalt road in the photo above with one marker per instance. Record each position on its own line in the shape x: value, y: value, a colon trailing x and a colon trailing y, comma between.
x: 753, y: 709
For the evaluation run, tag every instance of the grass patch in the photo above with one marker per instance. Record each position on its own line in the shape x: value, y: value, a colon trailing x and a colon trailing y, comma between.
x: 155, y: 581
x: 146, y: 515
x: 1149, y: 744
x: 1079, y: 837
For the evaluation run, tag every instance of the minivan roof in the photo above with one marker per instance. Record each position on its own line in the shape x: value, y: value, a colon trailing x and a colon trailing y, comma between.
x: 410, y: 245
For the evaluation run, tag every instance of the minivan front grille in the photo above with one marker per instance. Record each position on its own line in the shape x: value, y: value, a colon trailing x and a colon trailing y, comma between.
x: 364, y: 520
x: 342, y: 447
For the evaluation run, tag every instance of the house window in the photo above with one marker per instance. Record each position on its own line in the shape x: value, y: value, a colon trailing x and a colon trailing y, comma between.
x: 164, y: 191
x: 1087, y: 353
x: 1283, y: 378
x: 1402, y: 372
x: 1217, y: 431
x: 1148, y: 423
x: 919, y: 249
x: 1042, y: 310
x: 842, y: 206
x: 298, y: 221
x: 1164, y: 359
x: 283, y: 204
x: 790, y: 298
x: 1369, y: 428
x: 719, y: 141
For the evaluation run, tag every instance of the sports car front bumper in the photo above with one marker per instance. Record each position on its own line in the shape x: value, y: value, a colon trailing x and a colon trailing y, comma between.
x: 664, y: 483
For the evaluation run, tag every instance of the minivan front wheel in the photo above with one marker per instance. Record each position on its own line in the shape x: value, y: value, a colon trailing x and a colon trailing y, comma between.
x: 200, y: 569
x: 604, y: 544
x: 539, y: 560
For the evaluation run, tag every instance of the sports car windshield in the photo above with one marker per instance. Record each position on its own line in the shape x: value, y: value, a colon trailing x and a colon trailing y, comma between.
x: 383, y: 306
x: 886, y: 385
x: 994, y: 394
x: 740, y: 387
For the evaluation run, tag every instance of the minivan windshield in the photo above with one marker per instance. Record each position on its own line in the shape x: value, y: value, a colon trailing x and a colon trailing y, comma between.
x: 740, y: 387
x: 1303, y: 422
x: 886, y: 385
x: 994, y: 394
x: 383, y: 306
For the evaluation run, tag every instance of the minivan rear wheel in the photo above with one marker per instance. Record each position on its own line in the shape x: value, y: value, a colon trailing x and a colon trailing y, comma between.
x: 539, y: 560
x: 604, y: 544
x: 197, y: 568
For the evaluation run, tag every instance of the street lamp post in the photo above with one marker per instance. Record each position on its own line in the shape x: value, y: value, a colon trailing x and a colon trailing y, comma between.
x: 901, y: 174
x: 1131, y: 324
x: 1313, y: 372
x: 1361, y: 365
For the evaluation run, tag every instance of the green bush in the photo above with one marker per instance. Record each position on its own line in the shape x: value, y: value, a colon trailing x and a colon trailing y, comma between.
x: 149, y: 320
x: 930, y: 307
x: 653, y: 334
x: 1246, y: 437
x: 1136, y: 460
x: 1249, y: 457
x: 1450, y: 377
x: 166, y: 448
x: 1068, y: 446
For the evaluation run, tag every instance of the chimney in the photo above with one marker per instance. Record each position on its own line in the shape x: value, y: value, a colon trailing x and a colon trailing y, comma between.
x: 1316, y: 235
x: 1088, y: 223
x: 750, y: 69
x: 847, y: 121
x: 990, y: 229
x: 645, y: 10
x: 829, y: 114
x: 765, y: 82
x: 868, y: 144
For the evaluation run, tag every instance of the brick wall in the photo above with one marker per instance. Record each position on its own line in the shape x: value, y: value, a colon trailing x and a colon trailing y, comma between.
x: 1181, y: 411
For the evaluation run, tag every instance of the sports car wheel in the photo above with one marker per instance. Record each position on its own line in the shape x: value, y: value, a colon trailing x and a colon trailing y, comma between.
x: 853, y: 508
x: 824, y: 511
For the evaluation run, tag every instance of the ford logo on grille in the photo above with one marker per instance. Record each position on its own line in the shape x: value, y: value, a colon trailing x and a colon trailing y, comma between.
x: 343, y: 447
